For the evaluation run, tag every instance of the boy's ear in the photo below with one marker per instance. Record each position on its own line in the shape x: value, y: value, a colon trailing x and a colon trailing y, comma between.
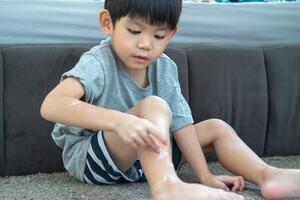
x: 172, y: 33
x: 105, y: 22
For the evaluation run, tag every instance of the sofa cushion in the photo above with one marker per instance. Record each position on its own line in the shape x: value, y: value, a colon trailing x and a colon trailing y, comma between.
x: 283, y: 70
x: 30, y: 73
x: 230, y: 84
x: 2, y: 141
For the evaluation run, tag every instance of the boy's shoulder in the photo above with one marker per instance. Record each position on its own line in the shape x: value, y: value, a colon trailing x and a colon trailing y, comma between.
x: 165, y: 60
x: 98, y: 56
x: 101, y: 50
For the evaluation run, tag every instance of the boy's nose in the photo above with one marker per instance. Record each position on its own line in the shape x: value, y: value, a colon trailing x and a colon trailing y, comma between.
x: 144, y: 44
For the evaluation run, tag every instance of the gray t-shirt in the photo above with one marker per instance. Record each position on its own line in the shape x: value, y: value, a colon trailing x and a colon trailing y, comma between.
x: 107, y: 84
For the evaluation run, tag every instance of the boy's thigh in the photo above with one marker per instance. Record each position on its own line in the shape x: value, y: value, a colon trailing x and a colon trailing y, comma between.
x: 101, y: 168
x: 123, y: 154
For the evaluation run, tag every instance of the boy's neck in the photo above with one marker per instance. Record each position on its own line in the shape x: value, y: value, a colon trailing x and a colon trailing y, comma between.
x: 139, y: 76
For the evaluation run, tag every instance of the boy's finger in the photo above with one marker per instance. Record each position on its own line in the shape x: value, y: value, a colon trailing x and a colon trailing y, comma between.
x: 224, y: 187
x: 157, y: 135
x: 230, y: 181
x: 150, y: 142
x: 147, y: 140
x: 134, y: 145
x: 155, y: 146
x: 140, y: 142
x: 243, y: 184
x: 236, y: 185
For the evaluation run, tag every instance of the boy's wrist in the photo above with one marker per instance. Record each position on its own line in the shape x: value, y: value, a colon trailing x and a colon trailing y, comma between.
x: 115, y: 119
x: 204, y: 176
x: 202, y: 173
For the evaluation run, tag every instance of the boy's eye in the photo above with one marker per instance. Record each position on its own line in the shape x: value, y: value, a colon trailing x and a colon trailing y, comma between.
x: 133, y: 31
x: 160, y: 37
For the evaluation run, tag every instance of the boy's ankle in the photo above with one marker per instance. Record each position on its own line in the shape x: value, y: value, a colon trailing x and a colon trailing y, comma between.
x: 165, y: 183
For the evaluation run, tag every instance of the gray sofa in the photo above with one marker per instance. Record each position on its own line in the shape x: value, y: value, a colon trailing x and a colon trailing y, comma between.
x: 237, y: 62
x: 255, y: 89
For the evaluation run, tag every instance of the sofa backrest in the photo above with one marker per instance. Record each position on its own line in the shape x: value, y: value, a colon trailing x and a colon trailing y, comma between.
x: 30, y: 72
x: 256, y: 90
x: 230, y: 84
x: 283, y: 76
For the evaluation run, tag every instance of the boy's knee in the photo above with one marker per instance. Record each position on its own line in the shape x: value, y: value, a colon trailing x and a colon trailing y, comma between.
x: 221, y: 127
x: 155, y: 103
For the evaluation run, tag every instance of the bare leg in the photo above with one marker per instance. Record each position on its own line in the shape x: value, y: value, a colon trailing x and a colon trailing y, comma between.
x: 239, y: 159
x: 158, y: 168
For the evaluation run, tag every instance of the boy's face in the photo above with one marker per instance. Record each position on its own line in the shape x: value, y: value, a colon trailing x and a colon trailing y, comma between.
x: 137, y: 43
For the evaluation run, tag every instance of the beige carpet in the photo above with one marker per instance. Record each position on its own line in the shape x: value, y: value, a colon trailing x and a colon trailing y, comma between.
x: 60, y: 186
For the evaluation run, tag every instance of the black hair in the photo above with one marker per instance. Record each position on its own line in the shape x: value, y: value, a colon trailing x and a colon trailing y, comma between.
x: 154, y: 12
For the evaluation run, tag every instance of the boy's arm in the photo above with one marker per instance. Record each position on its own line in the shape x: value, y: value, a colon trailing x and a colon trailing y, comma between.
x: 62, y: 105
x: 188, y: 142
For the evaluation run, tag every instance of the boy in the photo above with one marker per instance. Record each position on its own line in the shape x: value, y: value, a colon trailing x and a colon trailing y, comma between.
x: 121, y: 102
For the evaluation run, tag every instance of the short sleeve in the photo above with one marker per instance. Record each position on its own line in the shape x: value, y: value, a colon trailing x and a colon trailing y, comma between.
x: 90, y: 73
x: 181, y: 111
x: 171, y: 92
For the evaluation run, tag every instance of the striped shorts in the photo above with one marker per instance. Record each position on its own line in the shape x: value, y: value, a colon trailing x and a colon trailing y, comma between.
x: 100, y: 169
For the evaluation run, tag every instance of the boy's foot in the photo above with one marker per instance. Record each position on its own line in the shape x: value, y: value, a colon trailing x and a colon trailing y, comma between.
x: 282, y: 184
x: 178, y: 190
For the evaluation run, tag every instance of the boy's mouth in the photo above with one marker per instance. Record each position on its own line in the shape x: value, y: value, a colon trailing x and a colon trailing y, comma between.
x: 141, y: 59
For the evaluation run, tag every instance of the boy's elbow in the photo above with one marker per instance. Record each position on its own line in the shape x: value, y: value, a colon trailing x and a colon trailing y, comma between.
x: 44, y: 110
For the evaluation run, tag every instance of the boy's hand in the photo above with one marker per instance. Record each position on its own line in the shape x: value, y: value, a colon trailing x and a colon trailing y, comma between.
x: 227, y: 183
x: 139, y: 132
